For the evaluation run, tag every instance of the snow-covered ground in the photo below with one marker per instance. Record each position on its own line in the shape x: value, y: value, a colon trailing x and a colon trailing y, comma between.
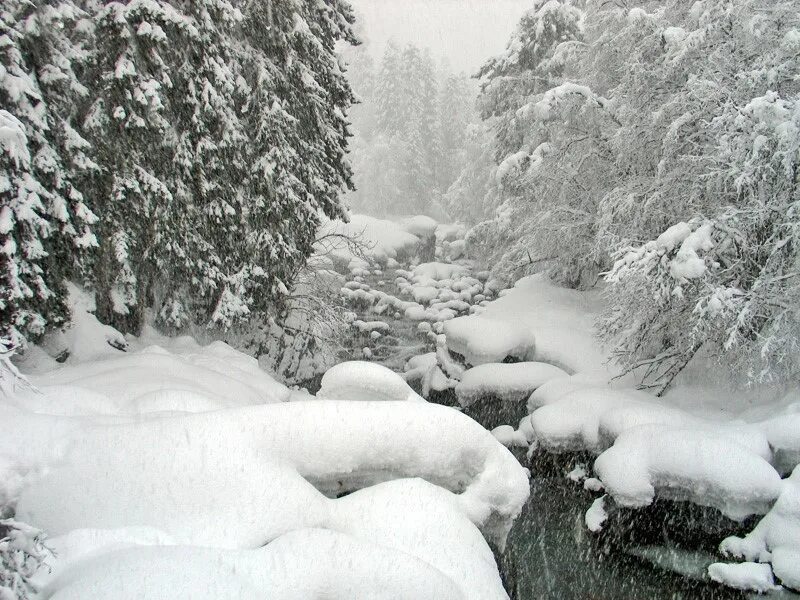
x: 180, y: 467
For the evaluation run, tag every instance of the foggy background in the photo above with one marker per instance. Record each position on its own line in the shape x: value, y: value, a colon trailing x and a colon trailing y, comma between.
x: 464, y: 33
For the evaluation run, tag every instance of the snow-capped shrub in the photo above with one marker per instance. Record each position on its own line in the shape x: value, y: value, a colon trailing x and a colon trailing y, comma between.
x: 22, y: 554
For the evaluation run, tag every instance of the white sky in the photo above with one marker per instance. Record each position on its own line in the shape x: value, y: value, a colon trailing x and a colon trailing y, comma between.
x: 464, y: 32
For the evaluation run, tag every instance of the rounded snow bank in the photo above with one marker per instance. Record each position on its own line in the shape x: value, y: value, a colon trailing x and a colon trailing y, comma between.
x: 365, y: 381
x: 382, y: 240
x: 572, y: 422
x: 481, y: 340
x: 749, y: 577
x: 192, y: 379
x: 509, y: 382
x: 239, y: 477
x: 301, y: 565
x: 776, y: 538
x: 700, y: 465
x: 420, y: 225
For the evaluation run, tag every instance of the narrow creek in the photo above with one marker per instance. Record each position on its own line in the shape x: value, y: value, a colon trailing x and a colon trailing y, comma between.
x: 550, y: 554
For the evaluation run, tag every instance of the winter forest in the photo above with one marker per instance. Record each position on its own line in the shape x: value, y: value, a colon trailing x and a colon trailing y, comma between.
x: 399, y: 299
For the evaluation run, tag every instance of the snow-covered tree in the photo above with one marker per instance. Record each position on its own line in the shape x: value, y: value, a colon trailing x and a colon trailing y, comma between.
x: 22, y: 554
x: 44, y: 222
x: 297, y: 169
x: 661, y: 121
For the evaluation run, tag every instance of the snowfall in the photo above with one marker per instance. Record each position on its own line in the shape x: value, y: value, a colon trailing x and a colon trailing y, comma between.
x: 162, y: 468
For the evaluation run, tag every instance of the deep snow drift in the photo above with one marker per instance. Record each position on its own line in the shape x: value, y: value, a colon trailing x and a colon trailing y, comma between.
x: 186, y: 468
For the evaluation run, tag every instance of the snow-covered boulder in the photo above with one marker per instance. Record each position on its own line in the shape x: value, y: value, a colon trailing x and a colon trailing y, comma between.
x: 381, y: 240
x: 482, y: 340
x: 420, y: 225
x: 438, y: 271
x: 573, y: 422
x: 553, y: 390
x: 310, y: 563
x: 700, y: 465
x: 776, y: 538
x: 365, y: 381
x: 783, y: 433
x: 508, y: 382
x: 749, y: 577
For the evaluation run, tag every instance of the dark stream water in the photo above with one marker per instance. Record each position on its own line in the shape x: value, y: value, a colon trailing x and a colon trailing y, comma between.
x: 660, y: 553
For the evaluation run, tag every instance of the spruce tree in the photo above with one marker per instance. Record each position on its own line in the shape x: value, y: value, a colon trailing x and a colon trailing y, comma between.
x: 44, y: 222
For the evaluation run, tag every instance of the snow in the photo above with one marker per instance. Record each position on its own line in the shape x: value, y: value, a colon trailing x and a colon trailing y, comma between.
x: 364, y: 382
x: 506, y: 435
x: 178, y: 466
x: 783, y: 434
x: 573, y: 422
x: 560, y: 320
x: 425, y: 294
x: 187, y: 379
x: 751, y: 577
x: 438, y: 271
x: 13, y: 142
x: 786, y: 566
x: 687, y: 264
x: 420, y: 225
x: 553, y: 390
x: 508, y: 382
x: 696, y: 464
x: 304, y: 564
x: 481, y: 339
x: 596, y: 515
x: 776, y: 537
x: 191, y: 491
x: 382, y: 240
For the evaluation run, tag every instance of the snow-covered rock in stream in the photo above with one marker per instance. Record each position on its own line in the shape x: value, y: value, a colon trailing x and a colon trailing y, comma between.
x: 701, y: 465
x: 783, y: 433
x: 748, y: 577
x: 380, y: 240
x: 508, y: 382
x: 481, y: 340
x: 573, y: 422
x: 364, y: 382
x: 776, y: 538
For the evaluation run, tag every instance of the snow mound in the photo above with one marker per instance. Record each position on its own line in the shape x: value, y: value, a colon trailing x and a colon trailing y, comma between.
x: 562, y: 321
x: 439, y: 271
x: 750, y: 577
x: 85, y: 338
x: 596, y: 516
x: 552, y: 391
x: 365, y: 381
x: 240, y: 477
x: 509, y: 382
x: 695, y: 464
x: 155, y: 379
x: 481, y: 340
x: 420, y: 225
x: 304, y: 564
x: 573, y: 422
x: 381, y: 240
x: 776, y: 538
x: 783, y: 433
